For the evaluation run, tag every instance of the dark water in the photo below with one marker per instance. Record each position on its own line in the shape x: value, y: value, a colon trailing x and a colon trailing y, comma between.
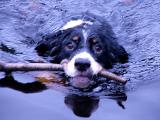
x: 136, y: 24
x: 141, y: 104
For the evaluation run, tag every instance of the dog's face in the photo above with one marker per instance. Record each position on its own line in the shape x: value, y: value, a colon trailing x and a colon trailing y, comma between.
x: 88, y: 47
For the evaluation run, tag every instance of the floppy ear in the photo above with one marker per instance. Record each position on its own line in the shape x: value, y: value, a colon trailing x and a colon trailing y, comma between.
x: 119, y: 54
x: 49, y: 45
x: 122, y: 55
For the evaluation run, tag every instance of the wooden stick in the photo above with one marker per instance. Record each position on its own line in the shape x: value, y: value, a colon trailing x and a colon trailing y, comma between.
x: 51, y: 67
x: 29, y: 67
x: 112, y: 76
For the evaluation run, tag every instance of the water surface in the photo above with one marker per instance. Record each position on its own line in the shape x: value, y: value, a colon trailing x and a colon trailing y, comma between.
x: 136, y: 24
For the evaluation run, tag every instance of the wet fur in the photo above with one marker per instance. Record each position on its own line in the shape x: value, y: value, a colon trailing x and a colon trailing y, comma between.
x: 52, y: 46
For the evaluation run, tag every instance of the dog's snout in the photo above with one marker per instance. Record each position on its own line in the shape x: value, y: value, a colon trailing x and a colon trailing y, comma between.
x: 82, y: 64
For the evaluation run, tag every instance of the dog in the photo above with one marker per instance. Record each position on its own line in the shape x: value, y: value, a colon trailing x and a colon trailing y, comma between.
x: 89, y: 44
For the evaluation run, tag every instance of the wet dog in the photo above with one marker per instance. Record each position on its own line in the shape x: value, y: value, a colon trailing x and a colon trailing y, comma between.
x: 88, y: 43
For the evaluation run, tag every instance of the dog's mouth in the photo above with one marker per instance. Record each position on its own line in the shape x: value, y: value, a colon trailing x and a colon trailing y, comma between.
x: 78, y: 78
x: 81, y: 81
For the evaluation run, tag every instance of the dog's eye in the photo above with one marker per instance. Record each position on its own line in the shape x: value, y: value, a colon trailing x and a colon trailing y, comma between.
x: 93, y: 40
x: 98, y: 48
x: 70, y: 46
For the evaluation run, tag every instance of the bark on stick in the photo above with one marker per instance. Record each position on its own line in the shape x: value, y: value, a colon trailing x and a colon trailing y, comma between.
x: 51, y: 67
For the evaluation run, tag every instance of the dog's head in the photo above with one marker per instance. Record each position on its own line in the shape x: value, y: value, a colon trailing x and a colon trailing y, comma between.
x: 89, y: 45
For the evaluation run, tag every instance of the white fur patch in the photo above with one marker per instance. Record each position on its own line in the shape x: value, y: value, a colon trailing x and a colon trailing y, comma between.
x: 74, y: 23
x: 85, y: 35
x: 71, y: 71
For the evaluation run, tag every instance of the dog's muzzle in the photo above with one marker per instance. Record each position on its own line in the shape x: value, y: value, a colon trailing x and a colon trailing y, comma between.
x: 80, y: 69
x: 83, y: 79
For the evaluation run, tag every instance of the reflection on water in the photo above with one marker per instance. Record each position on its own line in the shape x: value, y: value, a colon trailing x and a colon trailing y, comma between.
x: 51, y: 104
x: 84, y: 106
x: 81, y: 105
x: 9, y: 81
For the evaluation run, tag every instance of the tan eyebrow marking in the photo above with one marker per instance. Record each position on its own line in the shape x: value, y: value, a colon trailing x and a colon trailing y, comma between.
x: 75, y: 38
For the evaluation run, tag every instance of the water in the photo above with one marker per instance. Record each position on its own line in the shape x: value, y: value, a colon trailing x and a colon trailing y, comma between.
x: 142, y: 104
x: 136, y: 24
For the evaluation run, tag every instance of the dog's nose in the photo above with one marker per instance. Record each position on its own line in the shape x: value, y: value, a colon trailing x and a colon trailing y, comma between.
x: 82, y: 64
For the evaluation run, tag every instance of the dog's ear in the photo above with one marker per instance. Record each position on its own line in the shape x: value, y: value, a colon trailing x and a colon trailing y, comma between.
x: 49, y: 45
x: 42, y: 48
x: 119, y: 54
x: 122, y: 55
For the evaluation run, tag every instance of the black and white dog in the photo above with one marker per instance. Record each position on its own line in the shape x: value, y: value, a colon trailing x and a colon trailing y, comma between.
x: 88, y: 43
